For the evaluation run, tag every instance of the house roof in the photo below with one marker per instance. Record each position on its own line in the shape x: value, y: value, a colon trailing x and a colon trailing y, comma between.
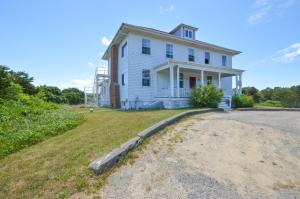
x: 125, y: 28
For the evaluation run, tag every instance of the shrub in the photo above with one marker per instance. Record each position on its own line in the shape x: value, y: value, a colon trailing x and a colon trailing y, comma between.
x: 73, y: 95
x: 271, y: 103
x: 243, y: 101
x: 206, y: 96
x: 29, y: 120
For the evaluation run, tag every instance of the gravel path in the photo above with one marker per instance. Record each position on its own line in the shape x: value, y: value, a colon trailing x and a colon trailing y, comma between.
x: 216, y: 155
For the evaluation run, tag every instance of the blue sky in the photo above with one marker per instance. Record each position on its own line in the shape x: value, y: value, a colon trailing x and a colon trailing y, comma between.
x: 60, y: 42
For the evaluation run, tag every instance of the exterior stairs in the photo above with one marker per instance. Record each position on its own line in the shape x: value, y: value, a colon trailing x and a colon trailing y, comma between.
x: 225, y: 103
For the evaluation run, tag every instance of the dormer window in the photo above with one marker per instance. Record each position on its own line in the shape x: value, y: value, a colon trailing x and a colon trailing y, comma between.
x: 188, y: 33
x: 185, y: 31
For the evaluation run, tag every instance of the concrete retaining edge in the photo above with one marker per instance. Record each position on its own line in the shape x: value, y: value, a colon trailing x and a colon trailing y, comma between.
x: 268, y: 109
x: 107, y: 161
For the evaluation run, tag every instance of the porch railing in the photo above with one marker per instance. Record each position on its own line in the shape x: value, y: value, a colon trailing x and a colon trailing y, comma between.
x: 165, y: 92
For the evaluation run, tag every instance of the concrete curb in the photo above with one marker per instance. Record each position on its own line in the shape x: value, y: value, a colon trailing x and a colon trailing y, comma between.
x: 105, y: 162
x: 268, y: 109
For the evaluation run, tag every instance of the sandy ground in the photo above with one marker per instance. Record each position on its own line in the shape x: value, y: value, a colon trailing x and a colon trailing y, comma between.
x: 217, y: 155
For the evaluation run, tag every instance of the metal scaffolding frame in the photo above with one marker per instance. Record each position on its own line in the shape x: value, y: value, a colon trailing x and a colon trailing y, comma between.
x: 101, y: 75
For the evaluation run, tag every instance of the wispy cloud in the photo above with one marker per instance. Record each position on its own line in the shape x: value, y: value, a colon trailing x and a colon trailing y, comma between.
x: 91, y: 64
x: 263, y: 10
x: 105, y: 41
x: 78, y: 83
x: 164, y: 9
x: 283, y: 56
x: 288, y: 54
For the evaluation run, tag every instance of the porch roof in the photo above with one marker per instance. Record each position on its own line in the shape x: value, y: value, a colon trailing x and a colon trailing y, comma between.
x: 194, y: 66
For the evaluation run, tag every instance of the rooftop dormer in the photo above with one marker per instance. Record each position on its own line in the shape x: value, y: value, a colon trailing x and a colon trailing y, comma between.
x: 184, y: 31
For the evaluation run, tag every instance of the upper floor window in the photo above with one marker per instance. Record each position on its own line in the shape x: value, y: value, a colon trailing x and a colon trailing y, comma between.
x: 169, y: 51
x: 146, y: 46
x: 188, y: 33
x: 123, y: 79
x: 191, y: 55
x: 224, y: 60
x: 207, y: 58
x: 146, y: 77
x: 180, y: 80
x: 124, y: 49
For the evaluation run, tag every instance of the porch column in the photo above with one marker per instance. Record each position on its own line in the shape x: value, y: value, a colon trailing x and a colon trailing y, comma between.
x: 171, y: 81
x: 178, y: 77
x: 155, y: 83
x: 241, y: 86
x: 219, y: 79
x: 236, y: 85
x: 202, y: 78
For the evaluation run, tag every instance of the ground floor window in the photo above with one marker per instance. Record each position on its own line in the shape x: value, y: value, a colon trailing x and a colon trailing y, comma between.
x: 123, y: 79
x: 209, y: 80
x: 181, y: 80
x: 146, y: 77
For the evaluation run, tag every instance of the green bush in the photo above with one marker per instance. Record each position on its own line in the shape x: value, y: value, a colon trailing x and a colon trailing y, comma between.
x: 29, y: 120
x: 243, y: 101
x: 206, y: 96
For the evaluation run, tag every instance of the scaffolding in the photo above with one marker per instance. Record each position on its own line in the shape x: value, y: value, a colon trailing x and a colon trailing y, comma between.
x: 92, y: 95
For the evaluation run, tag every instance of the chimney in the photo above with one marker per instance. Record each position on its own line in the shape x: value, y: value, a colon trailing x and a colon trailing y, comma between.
x: 114, y: 88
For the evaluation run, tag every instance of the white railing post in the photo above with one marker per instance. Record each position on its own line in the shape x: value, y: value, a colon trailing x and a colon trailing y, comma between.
x: 241, y: 86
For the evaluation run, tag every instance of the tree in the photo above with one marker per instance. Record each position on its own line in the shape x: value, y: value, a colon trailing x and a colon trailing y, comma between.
x: 24, y: 81
x: 73, y: 95
x: 50, y: 94
x: 4, y: 80
x: 253, y: 92
x: 266, y: 94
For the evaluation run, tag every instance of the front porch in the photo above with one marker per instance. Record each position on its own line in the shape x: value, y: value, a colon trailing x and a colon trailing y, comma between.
x: 175, y: 79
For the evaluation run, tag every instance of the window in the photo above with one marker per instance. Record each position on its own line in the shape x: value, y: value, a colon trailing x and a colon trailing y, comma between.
x: 224, y: 60
x: 123, y: 79
x: 186, y: 32
x: 180, y: 80
x: 191, y: 55
x: 207, y: 57
x: 190, y: 34
x: 146, y: 78
x: 124, y: 49
x: 146, y: 46
x: 169, y: 51
x: 209, y: 80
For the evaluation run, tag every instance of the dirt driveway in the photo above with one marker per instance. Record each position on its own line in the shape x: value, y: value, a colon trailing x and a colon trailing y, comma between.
x: 217, y: 155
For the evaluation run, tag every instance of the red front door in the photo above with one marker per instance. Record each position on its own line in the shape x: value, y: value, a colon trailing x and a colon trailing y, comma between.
x: 192, y: 82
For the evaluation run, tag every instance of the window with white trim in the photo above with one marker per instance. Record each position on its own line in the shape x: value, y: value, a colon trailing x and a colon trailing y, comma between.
x: 181, y: 79
x: 207, y: 58
x: 224, y: 60
x: 146, y: 47
x: 124, y: 49
x: 169, y: 50
x: 123, y: 79
x: 146, y: 77
x: 191, y: 54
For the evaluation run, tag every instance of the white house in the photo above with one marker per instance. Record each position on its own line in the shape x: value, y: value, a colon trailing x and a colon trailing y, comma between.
x: 149, y: 68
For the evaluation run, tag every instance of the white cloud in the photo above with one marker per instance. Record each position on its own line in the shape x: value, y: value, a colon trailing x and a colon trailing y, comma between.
x: 288, y: 54
x: 259, y: 15
x: 105, y: 41
x: 165, y: 9
x: 78, y: 83
x: 91, y: 64
x: 284, y: 56
x: 263, y: 10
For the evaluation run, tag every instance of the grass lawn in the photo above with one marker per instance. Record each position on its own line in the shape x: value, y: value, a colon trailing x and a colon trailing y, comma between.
x: 57, y: 167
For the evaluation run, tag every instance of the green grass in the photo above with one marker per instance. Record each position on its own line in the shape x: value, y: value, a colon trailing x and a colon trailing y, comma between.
x: 57, y: 167
x: 270, y: 103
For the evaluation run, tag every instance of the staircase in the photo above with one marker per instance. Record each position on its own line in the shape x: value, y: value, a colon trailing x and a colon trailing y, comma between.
x: 225, y: 103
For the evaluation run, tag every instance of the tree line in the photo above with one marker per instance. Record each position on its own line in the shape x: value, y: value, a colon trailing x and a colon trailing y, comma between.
x: 13, y: 83
x: 278, y: 96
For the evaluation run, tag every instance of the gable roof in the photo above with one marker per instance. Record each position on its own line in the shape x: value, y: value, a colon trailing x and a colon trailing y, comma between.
x: 125, y: 28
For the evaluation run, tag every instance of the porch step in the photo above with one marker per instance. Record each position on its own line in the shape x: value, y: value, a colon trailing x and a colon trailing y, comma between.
x: 224, y: 104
